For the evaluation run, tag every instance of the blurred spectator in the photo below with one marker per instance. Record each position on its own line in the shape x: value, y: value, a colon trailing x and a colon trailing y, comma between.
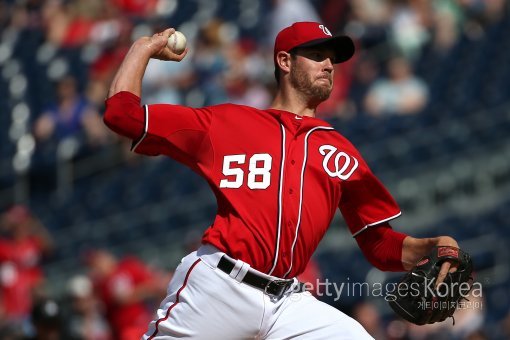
x: 505, y: 325
x: 23, y: 244
x: 69, y: 116
x: 68, y: 23
x: 112, y: 35
x: 165, y: 82
x: 469, y: 320
x: 46, y: 318
x: 285, y: 12
x: 334, y: 13
x: 127, y: 287
x: 23, y: 15
x: 447, y: 22
x: 370, y: 23
x: 409, y: 25
x: 83, y: 316
x: 484, y: 12
x: 312, y: 275
x: 366, y: 71
x: 244, y: 91
x: 369, y: 317
x: 192, y: 240
x: 245, y: 77
x: 495, y: 10
x: 210, y: 63
x: 136, y: 8
x: 401, y: 92
x: 397, y: 330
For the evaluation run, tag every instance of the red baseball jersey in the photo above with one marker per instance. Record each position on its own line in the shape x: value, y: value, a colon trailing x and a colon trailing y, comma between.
x: 278, y: 179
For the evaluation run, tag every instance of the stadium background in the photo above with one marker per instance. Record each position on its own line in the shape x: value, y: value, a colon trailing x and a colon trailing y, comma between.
x: 447, y: 163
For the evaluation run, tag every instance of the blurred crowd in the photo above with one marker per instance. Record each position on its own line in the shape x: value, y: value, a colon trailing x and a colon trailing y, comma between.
x: 115, y: 296
x: 111, y: 298
x: 229, y: 61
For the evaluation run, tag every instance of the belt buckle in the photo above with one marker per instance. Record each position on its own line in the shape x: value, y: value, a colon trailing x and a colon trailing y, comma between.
x: 281, y: 284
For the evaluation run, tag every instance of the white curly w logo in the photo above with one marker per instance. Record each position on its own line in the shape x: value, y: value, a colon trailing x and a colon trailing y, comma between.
x: 325, y: 30
x: 342, y: 166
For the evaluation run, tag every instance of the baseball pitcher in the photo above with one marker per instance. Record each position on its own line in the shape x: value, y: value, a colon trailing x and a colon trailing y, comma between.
x: 278, y: 175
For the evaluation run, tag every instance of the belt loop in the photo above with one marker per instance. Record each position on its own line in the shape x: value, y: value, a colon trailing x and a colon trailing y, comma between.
x: 242, y: 272
x: 239, y: 271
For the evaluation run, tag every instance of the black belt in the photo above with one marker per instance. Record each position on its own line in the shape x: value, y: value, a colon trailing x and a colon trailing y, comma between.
x: 271, y: 287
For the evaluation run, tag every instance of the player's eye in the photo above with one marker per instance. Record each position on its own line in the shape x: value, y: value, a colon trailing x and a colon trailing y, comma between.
x: 315, y: 54
x: 318, y: 55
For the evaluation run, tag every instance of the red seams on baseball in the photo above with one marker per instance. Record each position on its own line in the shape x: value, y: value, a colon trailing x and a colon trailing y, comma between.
x: 177, y: 42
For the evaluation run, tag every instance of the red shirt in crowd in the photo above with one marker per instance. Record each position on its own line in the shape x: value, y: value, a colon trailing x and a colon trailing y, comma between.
x: 20, y: 272
x: 126, y: 310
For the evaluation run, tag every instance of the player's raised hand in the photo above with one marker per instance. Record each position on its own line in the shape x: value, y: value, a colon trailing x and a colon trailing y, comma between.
x: 157, y: 46
x: 130, y: 73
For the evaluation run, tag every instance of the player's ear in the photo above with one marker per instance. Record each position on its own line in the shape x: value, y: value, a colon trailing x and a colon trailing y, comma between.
x: 283, y: 61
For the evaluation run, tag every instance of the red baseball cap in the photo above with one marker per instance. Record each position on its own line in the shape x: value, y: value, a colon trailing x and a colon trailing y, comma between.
x: 307, y: 34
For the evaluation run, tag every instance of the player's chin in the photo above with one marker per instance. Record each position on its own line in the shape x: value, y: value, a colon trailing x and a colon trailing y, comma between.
x: 323, y: 90
x: 321, y: 94
x: 324, y: 84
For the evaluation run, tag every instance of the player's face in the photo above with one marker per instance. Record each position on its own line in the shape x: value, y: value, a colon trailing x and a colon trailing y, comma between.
x: 312, y: 72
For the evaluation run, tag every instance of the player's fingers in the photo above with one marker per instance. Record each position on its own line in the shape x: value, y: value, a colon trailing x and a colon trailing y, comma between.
x: 179, y: 57
x: 453, y: 268
x: 167, y: 33
x: 445, y: 268
x: 165, y: 53
x: 168, y: 55
x: 164, y: 34
x: 158, y: 44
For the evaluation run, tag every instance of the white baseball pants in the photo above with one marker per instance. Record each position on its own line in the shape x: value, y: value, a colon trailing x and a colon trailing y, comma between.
x: 203, y: 302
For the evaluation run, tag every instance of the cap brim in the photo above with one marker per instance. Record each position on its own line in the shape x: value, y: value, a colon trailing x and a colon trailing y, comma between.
x: 342, y: 45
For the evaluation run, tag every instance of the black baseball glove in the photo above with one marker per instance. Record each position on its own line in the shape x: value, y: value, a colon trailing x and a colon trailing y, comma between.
x: 416, y: 297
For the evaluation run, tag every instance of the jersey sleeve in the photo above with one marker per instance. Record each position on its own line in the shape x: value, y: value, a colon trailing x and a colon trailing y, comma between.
x: 175, y: 131
x: 366, y: 202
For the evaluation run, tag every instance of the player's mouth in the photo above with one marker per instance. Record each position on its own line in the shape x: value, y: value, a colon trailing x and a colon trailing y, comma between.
x: 325, y: 78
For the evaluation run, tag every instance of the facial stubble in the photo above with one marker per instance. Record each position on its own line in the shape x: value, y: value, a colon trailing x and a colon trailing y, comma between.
x: 301, y: 81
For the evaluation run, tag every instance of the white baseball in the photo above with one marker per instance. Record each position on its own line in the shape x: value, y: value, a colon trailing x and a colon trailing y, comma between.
x: 177, y: 42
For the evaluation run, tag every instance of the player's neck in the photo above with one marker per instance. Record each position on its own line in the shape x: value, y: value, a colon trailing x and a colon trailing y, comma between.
x: 294, y: 103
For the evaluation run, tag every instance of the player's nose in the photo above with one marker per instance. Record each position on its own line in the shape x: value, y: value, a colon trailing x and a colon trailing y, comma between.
x: 327, y: 65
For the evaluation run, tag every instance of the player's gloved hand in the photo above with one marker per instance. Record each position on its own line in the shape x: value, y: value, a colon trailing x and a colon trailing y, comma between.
x: 418, y: 297
x: 157, y: 48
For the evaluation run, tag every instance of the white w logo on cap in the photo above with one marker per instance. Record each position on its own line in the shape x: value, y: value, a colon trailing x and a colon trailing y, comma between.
x: 325, y: 30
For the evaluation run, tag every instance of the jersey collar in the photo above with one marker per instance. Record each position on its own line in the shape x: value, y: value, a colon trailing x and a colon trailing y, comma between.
x: 289, y: 119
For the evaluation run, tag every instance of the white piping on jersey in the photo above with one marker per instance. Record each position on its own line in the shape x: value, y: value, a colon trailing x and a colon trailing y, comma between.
x: 376, y: 223
x: 298, y: 224
x: 280, y: 193
x: 145, y: 130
